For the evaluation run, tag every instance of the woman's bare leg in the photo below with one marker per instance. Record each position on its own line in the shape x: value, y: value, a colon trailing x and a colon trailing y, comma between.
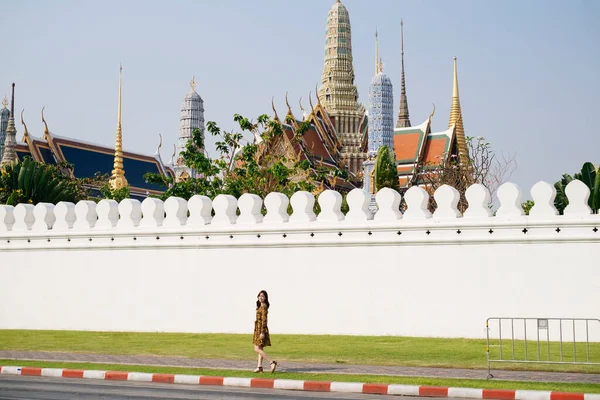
x: 261, y: 355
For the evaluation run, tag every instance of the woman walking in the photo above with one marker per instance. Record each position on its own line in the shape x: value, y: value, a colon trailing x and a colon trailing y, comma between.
x: 261, y: 331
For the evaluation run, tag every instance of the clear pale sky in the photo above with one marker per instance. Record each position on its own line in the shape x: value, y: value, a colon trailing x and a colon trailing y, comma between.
x: 528, y: 70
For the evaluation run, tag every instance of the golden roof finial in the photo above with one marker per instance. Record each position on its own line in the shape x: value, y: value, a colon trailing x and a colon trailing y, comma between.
x: 5, y: 102
x: 287, y: 103
x: 46, y: 131
x: 432, y: 112
x: 118, y: 180
x: 26, y: 132
x: 159, y: 144
x: 300, y: 103
x: 317, y: 95
x: 275, y: 116
x: 376, y: 52
x: 312, y: 108
x: 193, y: 83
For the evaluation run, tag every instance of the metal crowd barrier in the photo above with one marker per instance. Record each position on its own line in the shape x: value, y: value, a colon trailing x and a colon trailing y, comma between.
x: 543, y: 341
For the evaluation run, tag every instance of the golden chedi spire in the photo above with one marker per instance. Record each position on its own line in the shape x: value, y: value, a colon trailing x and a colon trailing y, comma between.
x: 456, y: 119
x: 117, y: 180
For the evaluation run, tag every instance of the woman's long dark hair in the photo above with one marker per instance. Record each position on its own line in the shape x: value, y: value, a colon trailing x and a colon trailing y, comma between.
x: 266, y: 299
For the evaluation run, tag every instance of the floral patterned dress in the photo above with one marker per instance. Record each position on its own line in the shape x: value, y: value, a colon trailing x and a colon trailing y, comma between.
x: 260, y: 326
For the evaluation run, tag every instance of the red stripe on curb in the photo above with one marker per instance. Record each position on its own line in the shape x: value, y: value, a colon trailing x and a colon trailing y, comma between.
x: 211, y: 380
x: 498, y: 394
x: 72, y: 373
x: 31, y: 371
x: 116, y: 375
x: 317, y: 386
x: 374, y: 388
x: 163, y: 378
x: 433, y: 391
x: 262, y: 383
x: 566, y: 396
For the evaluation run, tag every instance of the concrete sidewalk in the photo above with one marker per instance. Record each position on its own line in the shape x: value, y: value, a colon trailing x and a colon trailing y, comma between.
x: 286, y: 366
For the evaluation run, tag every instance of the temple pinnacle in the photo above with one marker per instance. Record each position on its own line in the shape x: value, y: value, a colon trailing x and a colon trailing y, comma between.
x: 456, y: 118
x: 403, y: 116
x: 118, y: 180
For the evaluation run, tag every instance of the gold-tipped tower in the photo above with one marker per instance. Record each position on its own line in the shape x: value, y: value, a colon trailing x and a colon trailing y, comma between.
x: 456, y: 119
x: 10, y: 154
x: 118, y: 180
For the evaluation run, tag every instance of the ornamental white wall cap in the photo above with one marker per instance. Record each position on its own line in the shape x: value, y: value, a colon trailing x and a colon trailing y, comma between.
x: 358, y: 202
x: 108, y: 214
x: 509, y: 195
x: 417, y: 201
x: 43, y: 214
x: 176, y: 210
x: 130, y: 211
x: 330, y: 202
x: 543, y: 195
x: 302, y: 207
x: 478, y: 197
x: 250, y: 206
x: 276, y: 204
x: 578, y: 194
x: 153, y: 212
x: 85, y: 215
x: 24, y: 218
x: 7, y: 218
x: 200, y: 208
x: 225, y: 207
x: 446, y: 198
x: 388, y: 204
x: 65, y: 216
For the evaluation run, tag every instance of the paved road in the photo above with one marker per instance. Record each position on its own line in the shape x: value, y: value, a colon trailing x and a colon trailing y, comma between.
x: 34, y: 388
x: 289, y: 366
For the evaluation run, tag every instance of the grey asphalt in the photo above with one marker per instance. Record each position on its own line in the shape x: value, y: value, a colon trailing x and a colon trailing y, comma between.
x: 33, y: 388
x: 285, y: 366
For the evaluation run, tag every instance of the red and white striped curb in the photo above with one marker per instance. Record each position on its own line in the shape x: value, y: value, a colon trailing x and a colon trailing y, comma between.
x: 288, y: 384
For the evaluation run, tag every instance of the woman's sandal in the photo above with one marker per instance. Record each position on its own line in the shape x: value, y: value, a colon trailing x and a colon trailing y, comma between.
x: 259, y: 369
x: 273, y: 366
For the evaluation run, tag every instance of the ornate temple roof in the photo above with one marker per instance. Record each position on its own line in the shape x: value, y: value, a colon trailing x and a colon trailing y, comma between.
x: 89, y: 158
x: 419, y: 148
x: 319, y: 145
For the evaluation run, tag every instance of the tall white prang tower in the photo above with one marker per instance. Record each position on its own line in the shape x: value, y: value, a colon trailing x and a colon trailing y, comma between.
x: 192, y: 117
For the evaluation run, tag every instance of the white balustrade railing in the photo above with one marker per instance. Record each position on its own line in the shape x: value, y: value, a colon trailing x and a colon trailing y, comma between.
x: 226, y: 213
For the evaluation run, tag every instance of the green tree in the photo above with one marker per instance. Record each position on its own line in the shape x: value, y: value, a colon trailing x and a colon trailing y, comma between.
x: 386, y: 174
x: 31, y: 182
x: 590, y: 175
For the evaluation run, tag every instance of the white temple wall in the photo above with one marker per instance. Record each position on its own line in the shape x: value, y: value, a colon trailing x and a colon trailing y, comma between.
x: 151, y: 273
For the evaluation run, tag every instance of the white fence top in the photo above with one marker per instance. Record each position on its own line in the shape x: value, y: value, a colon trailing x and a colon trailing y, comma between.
x: 181, y: 223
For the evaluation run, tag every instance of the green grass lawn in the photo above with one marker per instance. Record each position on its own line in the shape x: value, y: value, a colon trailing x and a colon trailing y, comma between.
x: 369, y: 350
x: 466, y: 383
